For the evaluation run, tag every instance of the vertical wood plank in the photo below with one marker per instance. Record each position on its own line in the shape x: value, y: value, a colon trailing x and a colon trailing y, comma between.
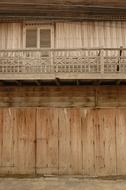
x: 105, y: 148
x: 88, y: 122
x: 76, y: 146
x: 53, y: 140
x: 7, y: 149
x: 1, y: 135
x: 7, y: 141
x: 47, y: 141
x: 42, y: 140
x: 24, y: 140
x: 121, y: 141
x: 64, y: 141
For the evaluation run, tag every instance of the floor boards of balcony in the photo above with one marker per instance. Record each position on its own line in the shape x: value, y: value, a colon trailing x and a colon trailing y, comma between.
x: 64, y: 76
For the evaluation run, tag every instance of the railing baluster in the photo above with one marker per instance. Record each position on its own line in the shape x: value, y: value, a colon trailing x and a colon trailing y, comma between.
x: 102, y: 60
x: 45, y: 61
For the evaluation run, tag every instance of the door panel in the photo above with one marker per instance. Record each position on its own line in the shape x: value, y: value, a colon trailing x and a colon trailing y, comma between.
x: 121, y: 141
x: 24, y: 121
x: 17, y: 141
x: 68, y: 141
x: 47, y: 141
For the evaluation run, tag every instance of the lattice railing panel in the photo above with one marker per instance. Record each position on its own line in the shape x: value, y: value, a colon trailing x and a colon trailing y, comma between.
x: 46, y: 61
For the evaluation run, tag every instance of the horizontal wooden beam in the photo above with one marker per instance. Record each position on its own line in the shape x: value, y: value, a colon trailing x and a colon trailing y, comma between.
x: 62, y: 76
x: 110, y: 3
x: 63, y: 96
x: 55, y: 9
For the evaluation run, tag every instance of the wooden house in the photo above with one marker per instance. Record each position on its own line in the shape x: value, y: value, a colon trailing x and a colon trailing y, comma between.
x: 62, y: 87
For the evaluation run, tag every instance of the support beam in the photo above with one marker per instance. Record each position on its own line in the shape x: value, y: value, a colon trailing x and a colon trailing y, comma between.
x: 19, y: 83
x: 1, y: 83
x: 38, y: 83
x: 57, y: 80
x: 77, y: 82
x: 97, y: 82
x: 118, y: 82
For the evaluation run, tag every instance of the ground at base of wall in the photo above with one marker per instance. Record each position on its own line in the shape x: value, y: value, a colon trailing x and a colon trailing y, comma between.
x: 54, y: 183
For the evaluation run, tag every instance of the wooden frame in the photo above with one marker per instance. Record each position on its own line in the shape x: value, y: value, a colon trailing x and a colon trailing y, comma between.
x: 38, y: 26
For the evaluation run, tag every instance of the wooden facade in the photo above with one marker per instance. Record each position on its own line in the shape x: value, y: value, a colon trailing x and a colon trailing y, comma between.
x: 102, y: 34
x: 51, y: 131
x: 78, y: 50
x: 65, y: 10
x: 62, y: 129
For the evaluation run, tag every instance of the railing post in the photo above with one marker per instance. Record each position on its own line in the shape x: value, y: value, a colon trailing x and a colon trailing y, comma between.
x: 102, y: 60
x: 119, y: 60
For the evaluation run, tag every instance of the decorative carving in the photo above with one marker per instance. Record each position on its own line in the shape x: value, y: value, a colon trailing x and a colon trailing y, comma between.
x: 62, y: 61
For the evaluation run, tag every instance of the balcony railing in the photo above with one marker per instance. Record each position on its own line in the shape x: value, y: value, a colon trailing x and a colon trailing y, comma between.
x: 63, y: 63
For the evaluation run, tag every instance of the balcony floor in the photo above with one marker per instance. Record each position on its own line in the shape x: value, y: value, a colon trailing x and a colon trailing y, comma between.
x: 64, y: 76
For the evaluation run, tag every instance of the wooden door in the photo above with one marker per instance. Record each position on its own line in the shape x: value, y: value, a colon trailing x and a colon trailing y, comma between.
x: 59, y: 141
x: 24, y: 136
x: 17, y: 141
x: 63, y: 141
x: 47, y: 141
x: 76, y: 141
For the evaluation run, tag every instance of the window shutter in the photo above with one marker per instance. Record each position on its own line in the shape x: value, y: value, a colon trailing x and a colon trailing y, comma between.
x: 31, y: 38
x: 45, y: 38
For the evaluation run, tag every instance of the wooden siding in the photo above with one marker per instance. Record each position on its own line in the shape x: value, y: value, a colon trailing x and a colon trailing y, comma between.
x: 55, y: 9
x: 108, y: 34
x: 11, y: 36
x: 113, y: 3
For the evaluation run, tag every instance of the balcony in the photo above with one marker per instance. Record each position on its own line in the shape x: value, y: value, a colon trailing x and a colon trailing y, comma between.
x: 50, y: 64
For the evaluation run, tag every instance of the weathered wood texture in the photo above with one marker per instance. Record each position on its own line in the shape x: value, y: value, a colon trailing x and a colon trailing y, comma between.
x: 89, y: 142
x: 17, y: 136
x: 69, y: 141
x: 113, y: 3
x: 64, y: 96
x: 62, y: 9
x: 63, y: 130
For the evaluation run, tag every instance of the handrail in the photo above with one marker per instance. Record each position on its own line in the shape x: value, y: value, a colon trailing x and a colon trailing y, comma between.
x: 62, y: 49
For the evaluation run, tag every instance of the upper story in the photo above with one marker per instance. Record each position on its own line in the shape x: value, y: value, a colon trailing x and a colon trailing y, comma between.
x: 62, y: 40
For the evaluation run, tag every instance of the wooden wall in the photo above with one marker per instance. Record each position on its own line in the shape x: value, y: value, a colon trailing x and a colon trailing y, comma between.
x: 35, y: 3
x: 67, y: 141
x: 91, y: 34
x: 63, y: 9
x: 49, y: 130
x: 11, y: 35
x: 108, y: 34
x: 64, y: 96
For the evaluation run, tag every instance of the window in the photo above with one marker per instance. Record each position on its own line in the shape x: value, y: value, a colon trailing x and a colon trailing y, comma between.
x: 45, y: 38
x: 31, y: 38
x: 39, y: 37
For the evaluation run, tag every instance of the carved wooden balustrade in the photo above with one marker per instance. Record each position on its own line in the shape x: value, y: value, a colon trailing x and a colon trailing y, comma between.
x: 63, y: 63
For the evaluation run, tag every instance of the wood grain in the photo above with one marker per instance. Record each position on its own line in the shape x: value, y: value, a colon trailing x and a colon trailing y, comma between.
x: 85, y: 96
x: 63, y: 140
x: 69, y: 8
